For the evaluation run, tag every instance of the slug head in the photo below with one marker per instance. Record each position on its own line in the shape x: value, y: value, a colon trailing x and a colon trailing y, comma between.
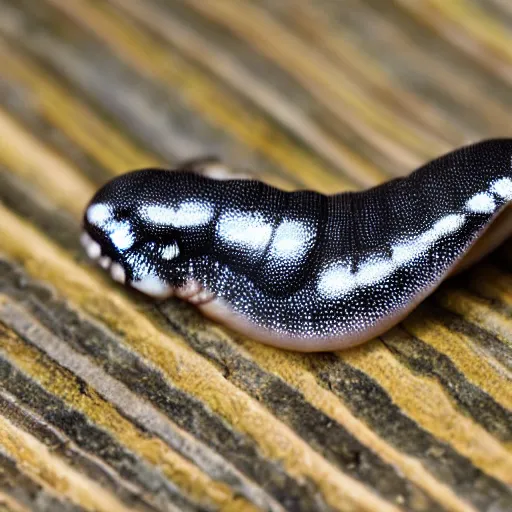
x: 149, y: 227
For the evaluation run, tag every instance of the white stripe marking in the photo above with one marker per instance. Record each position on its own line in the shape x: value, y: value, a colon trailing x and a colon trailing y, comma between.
x: 188, y: 214
x: 337, y: 280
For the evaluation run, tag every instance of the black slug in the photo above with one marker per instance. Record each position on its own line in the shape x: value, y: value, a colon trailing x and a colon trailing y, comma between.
x: 302, y: 270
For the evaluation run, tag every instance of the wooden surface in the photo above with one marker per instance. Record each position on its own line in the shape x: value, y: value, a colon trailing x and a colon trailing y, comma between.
x: 110, y: 402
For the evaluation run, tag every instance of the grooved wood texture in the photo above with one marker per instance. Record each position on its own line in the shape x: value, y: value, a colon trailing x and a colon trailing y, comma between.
x: 110, y: 402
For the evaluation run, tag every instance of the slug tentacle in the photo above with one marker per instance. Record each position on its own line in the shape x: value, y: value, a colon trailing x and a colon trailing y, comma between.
x: 302, y: 270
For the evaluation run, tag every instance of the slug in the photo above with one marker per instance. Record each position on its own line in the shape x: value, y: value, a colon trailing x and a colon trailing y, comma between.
x: 302, y: 270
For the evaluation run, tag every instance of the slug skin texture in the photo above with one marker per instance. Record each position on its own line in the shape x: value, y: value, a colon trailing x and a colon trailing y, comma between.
x: 301, y: 270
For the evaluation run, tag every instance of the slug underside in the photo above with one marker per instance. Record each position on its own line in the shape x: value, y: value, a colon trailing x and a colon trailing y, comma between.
x: 301, y: 270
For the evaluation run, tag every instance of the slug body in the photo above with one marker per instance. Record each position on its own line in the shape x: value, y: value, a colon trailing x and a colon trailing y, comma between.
x: 302, y: 270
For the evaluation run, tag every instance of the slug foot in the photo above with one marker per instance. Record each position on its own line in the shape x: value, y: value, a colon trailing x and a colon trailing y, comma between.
x: 194, y: 292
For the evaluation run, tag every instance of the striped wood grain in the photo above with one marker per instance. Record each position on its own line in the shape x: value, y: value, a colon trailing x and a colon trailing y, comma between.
x: 110, y: 402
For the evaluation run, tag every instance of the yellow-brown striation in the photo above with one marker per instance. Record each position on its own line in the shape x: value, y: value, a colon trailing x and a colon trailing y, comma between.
x: 110, y: 402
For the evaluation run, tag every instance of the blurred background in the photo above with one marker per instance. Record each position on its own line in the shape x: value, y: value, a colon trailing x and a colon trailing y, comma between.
x: 110, y: 403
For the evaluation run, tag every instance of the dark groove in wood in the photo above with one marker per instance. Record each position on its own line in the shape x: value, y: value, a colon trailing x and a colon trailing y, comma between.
x: 26, y: 202
x: 48, y: 430
x: 464, y: 65
x: 184, y: 410
x: 371, y: 403
x: 487, y: 340
x: 91, y: 439
x: 424, y: 360
x: 287, y: 404
x: 29, y: 493
x: 19, y: 103
x: 159, y: 119
x: 279, y: 81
